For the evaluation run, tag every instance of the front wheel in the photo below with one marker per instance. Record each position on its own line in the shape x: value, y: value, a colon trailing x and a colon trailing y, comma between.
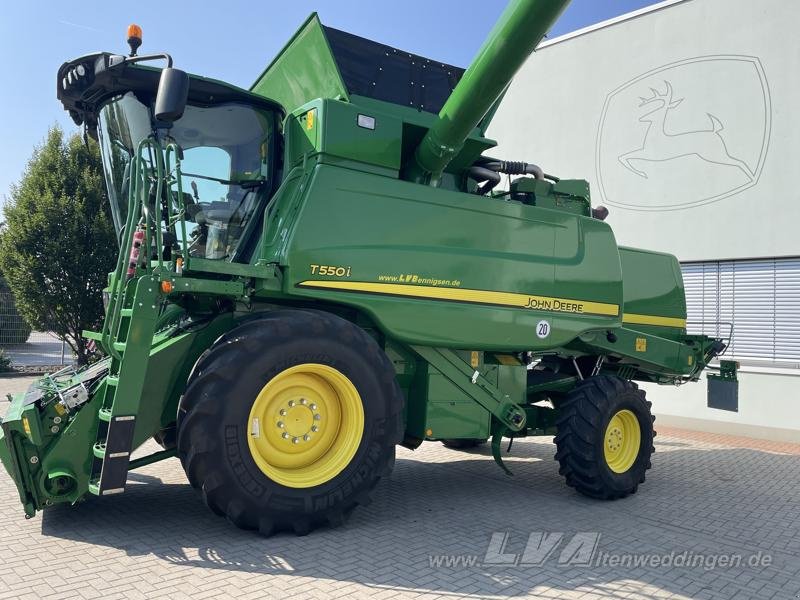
x: 605, y: 437
x: 289, y: 421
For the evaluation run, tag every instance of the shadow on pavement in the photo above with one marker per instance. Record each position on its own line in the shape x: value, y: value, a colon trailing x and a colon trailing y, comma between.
x: 704, y: 502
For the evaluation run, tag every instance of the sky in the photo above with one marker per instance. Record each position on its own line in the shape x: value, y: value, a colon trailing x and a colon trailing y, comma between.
x: 232, y: 40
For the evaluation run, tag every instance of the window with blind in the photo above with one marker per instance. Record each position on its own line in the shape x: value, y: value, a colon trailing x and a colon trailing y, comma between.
x: 760, y: 299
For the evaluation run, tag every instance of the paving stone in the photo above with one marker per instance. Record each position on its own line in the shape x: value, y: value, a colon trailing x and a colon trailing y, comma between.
x: 708, y: 496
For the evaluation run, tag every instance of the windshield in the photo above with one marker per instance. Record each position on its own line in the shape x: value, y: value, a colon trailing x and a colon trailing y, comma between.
x: 225, y: 167
x: 123, y: 124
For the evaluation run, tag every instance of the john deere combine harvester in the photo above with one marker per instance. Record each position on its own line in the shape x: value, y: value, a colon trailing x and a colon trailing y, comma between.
x: 320, y: 268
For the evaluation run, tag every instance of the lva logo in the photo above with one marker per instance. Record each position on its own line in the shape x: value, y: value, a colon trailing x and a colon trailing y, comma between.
x: 685, y: 134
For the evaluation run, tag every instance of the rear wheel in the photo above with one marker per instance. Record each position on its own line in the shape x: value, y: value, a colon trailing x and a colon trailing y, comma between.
x: 605, y: 437
x: 289, y: 421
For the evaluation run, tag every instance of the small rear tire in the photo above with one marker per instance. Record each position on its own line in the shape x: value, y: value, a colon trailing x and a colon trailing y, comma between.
x: 605, y: 437
x: 289, y: 421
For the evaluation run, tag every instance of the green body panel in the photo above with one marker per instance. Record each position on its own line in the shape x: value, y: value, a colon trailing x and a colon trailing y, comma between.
x: 392, y: 232
x: 334, y: 127
x: 438, y: 408
x: 303, y: 70
x: 168, y: 368
x: 14, y: 458
x: 568, y: 195
x: 473, y: 384
x: 654, y: 286
x: 416, y: 123
x: 650, y: 354
x: 451, y: 414
x: 333, y: 131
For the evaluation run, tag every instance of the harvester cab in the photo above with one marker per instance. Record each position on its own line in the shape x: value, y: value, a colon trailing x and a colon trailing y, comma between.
x: 227, y: 139
x: 322, y: 267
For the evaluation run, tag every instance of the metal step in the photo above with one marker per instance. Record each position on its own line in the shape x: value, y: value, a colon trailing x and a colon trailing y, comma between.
x: 99, y: 450
x: 115, y: 453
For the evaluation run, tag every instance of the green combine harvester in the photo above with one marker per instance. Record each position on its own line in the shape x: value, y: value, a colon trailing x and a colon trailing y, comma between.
x: 320, y: 268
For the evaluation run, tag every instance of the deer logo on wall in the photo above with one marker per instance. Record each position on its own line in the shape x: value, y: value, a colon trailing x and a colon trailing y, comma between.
x: 659, y: 145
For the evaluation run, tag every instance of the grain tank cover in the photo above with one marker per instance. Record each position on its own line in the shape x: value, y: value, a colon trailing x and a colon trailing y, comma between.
x: 384, y: 73
x: 323, y: 62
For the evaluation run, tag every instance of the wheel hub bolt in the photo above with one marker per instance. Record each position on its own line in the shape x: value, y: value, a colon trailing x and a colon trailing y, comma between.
x: 614, y: 439
x: 291, y: 403
x: 306, y: 437
x: 285, y: 435
x: 282, y: 412
x: 295, y: 440
x: 314, y: 428
x: 302, y: 400
x: 280, y: 425
x: 317, y: 417
x: 312, y: 406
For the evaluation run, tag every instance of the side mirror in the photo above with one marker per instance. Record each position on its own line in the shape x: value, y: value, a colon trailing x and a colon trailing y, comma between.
x: 173, y: 91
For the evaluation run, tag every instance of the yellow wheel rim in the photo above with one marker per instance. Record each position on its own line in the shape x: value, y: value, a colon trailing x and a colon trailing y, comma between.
x: 622, y: 441
x: 305, y: 425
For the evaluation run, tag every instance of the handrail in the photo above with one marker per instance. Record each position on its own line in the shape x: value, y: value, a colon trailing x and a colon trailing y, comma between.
x: 174, y: 149
x: 150, y: 161
x: 125, y: 245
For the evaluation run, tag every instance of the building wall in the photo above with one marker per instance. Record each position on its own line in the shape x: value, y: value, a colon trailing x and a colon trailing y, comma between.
x: 683, y: 119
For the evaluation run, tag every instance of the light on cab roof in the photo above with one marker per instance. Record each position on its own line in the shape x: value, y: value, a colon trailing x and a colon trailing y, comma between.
x: 134, y: 37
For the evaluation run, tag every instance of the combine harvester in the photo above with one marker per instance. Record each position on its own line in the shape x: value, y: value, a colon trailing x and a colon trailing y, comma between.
x: 318, y: 269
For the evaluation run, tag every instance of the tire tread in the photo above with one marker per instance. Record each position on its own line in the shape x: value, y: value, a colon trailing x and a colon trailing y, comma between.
x: 578, y: 424
x: 200, y: 409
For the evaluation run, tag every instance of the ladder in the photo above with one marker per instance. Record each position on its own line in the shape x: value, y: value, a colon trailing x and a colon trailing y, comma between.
x: 133, y: 311
x: 130, y: 344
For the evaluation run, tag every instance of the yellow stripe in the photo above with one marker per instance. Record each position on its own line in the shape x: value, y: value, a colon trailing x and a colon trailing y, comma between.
x: 654, y: 320
x: 508, y: 299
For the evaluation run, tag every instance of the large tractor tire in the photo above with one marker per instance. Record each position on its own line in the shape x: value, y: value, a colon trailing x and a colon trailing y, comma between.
x: 605, y: 437
x: 289, y: 421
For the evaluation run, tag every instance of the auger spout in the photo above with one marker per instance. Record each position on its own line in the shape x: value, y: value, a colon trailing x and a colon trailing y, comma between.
x: 519, y: 30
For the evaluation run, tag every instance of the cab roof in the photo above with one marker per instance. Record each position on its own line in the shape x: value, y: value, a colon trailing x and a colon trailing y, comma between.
x: 86, y: 83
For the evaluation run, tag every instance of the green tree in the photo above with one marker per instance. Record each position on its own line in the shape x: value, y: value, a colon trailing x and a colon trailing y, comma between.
x: 58, y: 243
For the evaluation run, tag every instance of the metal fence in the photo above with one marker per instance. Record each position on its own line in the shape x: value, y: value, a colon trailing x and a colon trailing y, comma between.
x: 41, y: 349
x: 28, y: 348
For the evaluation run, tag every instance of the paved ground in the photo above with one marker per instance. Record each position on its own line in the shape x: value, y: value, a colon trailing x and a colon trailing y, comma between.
x: 709, y: 499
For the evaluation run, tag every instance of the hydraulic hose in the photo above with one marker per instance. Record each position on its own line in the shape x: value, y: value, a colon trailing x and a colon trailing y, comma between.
x: 512, y: 167
x: 491, y: 177
x: 489, y: 169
